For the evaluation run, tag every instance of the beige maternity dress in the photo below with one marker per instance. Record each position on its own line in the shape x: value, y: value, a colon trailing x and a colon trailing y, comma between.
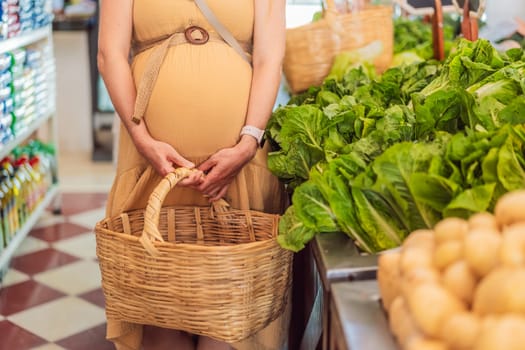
x: 198, y: 105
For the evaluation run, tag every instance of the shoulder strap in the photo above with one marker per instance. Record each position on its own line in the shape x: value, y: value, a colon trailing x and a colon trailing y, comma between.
x: 222, y: 30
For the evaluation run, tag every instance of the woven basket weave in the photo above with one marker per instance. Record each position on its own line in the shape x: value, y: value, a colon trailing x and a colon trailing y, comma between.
x: 214, y: 271
x: 311, y: 48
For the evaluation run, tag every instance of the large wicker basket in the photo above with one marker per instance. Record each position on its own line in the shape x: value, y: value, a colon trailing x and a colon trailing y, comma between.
x: 217, y: 271
x: 311, y: 48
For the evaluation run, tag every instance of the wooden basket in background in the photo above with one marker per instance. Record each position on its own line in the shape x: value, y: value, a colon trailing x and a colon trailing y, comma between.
x: 311, y: 48
x: 215, y: 272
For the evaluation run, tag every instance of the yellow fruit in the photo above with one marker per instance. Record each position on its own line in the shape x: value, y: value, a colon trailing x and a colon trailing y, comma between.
x: 504, y: 333
x: 509, y: 209
x: 513, y: 245
x: 482, y: 221
x: 431, y: 305
x: 447, y: 253
x: 420, y: 239
x: 501, y: 292
x: 450, y: 229
x: 388, y: 277
x: 461, y: 330
x: 461, y: 281
x: 401, y: 322
x: 481, y: 250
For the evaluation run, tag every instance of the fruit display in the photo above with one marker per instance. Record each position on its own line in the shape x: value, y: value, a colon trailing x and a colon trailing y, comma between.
x: 459, y: 286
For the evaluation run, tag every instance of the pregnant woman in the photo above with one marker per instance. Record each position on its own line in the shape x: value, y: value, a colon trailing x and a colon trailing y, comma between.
x: 186, y: 98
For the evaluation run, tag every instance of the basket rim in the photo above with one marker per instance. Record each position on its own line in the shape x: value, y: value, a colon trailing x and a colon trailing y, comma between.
x: 322, y: 22
x: 135, y: 239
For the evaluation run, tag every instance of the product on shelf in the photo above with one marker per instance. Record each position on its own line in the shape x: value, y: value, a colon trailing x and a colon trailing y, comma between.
x: 460, y: 285
x: 27, y: 94
x: 24, y: 89
x: 21, y: 16
x: 25, y: 177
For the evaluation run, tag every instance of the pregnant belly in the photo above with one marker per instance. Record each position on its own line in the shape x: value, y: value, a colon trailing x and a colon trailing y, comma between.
x: 200, y: 98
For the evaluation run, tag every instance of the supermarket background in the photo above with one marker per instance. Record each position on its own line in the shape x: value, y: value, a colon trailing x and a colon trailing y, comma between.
x: 57, y: 146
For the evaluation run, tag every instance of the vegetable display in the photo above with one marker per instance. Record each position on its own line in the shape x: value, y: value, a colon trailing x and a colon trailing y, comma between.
x: 460, y: 285
x: 379, y: 157
x: 413, y: 39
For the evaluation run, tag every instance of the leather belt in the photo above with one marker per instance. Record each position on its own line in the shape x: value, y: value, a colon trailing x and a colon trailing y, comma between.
x: 193, y: 35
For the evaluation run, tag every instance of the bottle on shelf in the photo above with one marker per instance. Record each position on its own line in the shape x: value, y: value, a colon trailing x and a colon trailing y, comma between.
x: 5, y: 212
x: 40, y: 188
x: 18, y: 210
x: 28, y: 180
x: 11, y: 208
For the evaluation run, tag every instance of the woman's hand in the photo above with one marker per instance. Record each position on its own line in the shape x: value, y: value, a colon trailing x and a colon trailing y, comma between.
x: 224, y: 165
x: 165, y: 159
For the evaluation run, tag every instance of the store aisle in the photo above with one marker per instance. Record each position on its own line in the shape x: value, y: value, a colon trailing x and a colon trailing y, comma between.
x: 51, y: 296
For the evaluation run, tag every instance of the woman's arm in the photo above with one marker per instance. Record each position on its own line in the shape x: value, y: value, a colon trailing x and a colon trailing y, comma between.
x: 268, y: 53
x: 114, y: 42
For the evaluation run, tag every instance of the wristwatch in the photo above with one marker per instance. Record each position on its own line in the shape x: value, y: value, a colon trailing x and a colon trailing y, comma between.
x: 253, y: 131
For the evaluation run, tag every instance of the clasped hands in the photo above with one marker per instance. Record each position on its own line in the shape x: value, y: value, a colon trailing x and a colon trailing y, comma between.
x: 212, y: 177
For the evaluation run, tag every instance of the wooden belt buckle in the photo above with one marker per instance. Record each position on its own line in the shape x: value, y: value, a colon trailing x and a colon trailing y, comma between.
x: 196, y: 41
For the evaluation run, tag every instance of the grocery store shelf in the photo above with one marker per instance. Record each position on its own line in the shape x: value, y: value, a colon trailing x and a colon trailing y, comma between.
x: 8, y: 147
x: 338, y: 258
x: 24, y: 39
x: 358, y: 319
x: 7, y: 254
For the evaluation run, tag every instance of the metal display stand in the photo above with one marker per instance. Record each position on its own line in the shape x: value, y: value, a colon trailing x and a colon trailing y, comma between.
x: 357, y: 318
x: 336, y: 259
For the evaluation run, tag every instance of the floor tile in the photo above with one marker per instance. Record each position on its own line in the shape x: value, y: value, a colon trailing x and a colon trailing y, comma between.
x: 88, y: 218
x: 59, y: 231
x: 25, y: 295
x: 49, y: 219
x: 95, y: 296
x: 50, y: 346
x: 78, y: 173
x: 82, y: 246
x: 14, y: 337
x: 72, y: 279
x: 13, y: 277
x: 31, y: 245
x: 43, y: 260
x: 60, y: 319
x: 74, y: 203
x: 94, y: 338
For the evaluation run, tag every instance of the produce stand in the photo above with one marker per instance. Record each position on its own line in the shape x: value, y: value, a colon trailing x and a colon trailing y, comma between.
x: 357, y: 318
x: 335, y: 259
x: 382, y: 156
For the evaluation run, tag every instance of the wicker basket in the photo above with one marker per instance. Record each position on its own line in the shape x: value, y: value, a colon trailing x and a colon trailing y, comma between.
x: 214, y: 271
x: 311, y: 48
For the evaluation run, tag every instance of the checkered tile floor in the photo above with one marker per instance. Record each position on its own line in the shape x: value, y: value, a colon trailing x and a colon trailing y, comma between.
x: 50, y: 298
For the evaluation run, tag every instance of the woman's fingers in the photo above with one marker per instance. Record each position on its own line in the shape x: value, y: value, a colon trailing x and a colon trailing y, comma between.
x: 179, y: 160
x: 193, y: 180
x: 221, y: 193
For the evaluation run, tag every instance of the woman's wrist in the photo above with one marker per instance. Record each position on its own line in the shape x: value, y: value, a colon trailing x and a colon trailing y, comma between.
x: 248, y: 146
x: 140, y: 137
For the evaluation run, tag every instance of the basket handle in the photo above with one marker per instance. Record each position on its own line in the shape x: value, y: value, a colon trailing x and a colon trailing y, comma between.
x: 150, y: 232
